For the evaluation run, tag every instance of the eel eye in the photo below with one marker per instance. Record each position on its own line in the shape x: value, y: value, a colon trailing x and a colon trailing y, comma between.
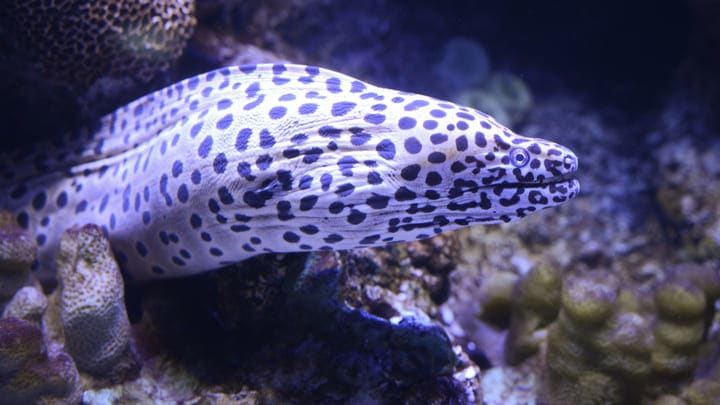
x: 519, y: 157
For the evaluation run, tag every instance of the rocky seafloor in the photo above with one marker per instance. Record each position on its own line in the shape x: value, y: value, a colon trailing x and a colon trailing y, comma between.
x: 609, y: 299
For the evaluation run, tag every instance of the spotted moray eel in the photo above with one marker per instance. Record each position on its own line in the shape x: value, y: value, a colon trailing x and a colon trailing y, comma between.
x: 277, y: 158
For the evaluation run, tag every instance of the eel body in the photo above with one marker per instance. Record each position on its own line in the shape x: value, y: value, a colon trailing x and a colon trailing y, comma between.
x: 277, y: 158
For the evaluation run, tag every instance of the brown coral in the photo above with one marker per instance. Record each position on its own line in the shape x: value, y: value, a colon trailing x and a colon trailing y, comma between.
x: 79, y: 41
x: 95, y: 323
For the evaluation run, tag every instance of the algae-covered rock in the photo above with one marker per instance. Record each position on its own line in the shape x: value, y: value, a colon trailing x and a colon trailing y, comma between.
x: 92, y: 306
x: 346, y: 327
x: 28, y: 374
x: 687, y: 192
x: 438, y: 256
x: 17, y: 253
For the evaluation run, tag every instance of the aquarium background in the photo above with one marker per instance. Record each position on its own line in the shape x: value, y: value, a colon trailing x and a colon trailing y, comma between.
x: 607, y: 299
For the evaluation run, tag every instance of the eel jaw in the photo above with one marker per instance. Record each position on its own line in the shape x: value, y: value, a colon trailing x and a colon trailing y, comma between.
x: 567, y: 179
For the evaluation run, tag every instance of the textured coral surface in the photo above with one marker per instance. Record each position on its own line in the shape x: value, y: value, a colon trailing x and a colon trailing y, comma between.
x: 92, y: 309
x: 79, y: 41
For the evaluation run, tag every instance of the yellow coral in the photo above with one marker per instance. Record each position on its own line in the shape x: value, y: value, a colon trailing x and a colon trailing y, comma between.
x: 679, y: 300
x: 536, y: 303
x: 619, y: 342
x: 590, y: 299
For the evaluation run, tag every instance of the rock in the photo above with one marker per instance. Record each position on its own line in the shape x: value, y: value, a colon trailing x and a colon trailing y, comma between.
x: 29, y: 303
x: 28, y: 374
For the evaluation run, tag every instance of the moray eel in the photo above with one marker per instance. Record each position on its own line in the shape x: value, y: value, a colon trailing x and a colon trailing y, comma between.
x: 277, y: 158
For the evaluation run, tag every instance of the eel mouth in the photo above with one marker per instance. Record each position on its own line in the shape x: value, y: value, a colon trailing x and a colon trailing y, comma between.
x: 567, y: 179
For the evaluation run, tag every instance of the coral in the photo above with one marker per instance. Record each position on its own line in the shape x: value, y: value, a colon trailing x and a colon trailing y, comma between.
x: 27, y: 373
x: 679, y: 327
x: 29, y: 303
x: 465, y: 69
x: 503, y: 95
x: 17, y: 253
x: 464, y: 63
x: 80, y: 41
x: 614, y: 341
x: 535, y: 304
x: 92, y: 306
x: 596, y: 353
x: 496, y: 298
x: 513, y: 95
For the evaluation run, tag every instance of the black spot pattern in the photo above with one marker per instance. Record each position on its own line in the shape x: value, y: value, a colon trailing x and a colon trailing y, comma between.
x: 205, y: 146
x: 61, y: 200
x: 309, y: 229
x: 225, y: 122
x: 436, y: 157
x: 413, y: 145
x: 225, y: 196
x: 291, y: 237
x: 267, y: 141
x: 386, y: 149
x: 284, y: 210
x: 38, y: 201
x: 308, y: 202
x: 177, y: 168
x: 356, y: 217
x: 410, y: 172
x: 219, y: 164
x: 342, y: 108
x: 242, y: 139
